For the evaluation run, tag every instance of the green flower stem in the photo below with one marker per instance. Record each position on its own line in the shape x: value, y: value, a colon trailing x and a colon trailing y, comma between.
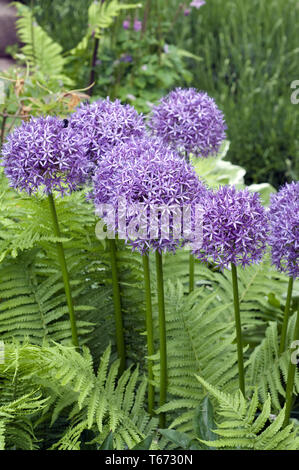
x: 64, y: 270
x: 238, y: 328
x: 291, y: 378
x: 149, y: 331
x: 191, y: 273
x: 120, y: 340
x: 191, y: 257
x: 286, y: 317
x: 162, y: 329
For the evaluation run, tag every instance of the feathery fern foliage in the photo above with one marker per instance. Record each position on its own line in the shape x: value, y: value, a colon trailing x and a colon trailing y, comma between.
x: 241, y: 427
x: 40, y: 51
x: 198, y: 342
x: 94, y: 401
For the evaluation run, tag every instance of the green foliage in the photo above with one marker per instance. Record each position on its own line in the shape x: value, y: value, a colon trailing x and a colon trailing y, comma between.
x: 90, y: 400
x: 39, y: 50
x: 250, y: 56
x: 199, y: 341
x: 241, y: 427
x: 268, y: 369
x: 261, y: 290
x: 16, y: 430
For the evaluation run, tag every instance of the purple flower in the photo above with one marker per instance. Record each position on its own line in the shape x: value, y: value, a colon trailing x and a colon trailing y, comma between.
x: 148, y: 176
x: 189, y: 121
x: 105, y: 123
x: 197, y: 3
x: 45, y: 153
x: 235, y: 228
x: 126, y: 58
x: 284, y: 224
x: 137, y: 25
x: 126, y: 24
x: 187, y: 12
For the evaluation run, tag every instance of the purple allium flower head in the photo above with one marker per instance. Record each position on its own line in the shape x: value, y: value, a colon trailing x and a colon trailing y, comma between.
x: 197, y: 3
x: 147, y: 176
x: 137, y: 25
x: 105, y: 123
x: 126, y: 24
x: 45, y: 153
x: 235, y: 228
x: 284, y: 225
x: 189, y: 121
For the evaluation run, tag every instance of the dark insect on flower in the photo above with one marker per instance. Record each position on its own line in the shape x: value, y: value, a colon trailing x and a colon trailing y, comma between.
x: 45, y: 154
x: 65, y: 123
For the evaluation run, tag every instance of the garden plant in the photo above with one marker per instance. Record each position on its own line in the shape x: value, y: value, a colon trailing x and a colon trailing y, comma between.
x: 149, y: 285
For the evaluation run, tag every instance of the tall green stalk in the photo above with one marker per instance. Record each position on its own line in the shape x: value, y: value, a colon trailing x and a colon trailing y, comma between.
x: 149, y: 332
x: 238, y: 328
x: 291, y: 378
x: 64, y: 270
x: 286, y: 317
x: 191, y: 257
x: 191, y: 273
x: 120, y: 340
x: 162, y: 332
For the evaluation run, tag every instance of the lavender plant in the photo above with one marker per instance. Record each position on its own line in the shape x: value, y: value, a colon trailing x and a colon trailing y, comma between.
x: 46, y: 155
x: 144, y: 172
x: 235, y: 234
x: 284, y: 243
x: 190, y: 122
x: 103, y: 125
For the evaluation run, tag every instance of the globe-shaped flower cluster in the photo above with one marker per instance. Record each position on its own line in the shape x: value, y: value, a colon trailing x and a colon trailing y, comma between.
x: 284, y: 224
x: 145, y: 172
x: 189, y: 121
x: 235, y: 228
x: 45, y: 153
x: 106, y: 123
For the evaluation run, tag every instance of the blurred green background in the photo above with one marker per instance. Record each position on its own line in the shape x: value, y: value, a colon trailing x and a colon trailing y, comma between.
x: 246, y: 58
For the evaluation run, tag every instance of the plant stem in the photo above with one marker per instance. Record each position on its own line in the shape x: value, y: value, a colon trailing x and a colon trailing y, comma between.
x: 92, y: 65
x: 149, y: 332
x: 291, y: 378
x: 191, y: 273
x: 120, y: 340
x: 286, y: 317
x: 64, y: 270
x: 146, y: 15
x: 2, y: 132
x: 162, y: 330
x: 238, y: 328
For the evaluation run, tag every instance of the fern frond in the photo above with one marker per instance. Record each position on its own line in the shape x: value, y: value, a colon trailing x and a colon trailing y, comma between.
x: 39, y: 50
x: 197, y: 342
x: 239, y: 428
x: 268, y: 369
